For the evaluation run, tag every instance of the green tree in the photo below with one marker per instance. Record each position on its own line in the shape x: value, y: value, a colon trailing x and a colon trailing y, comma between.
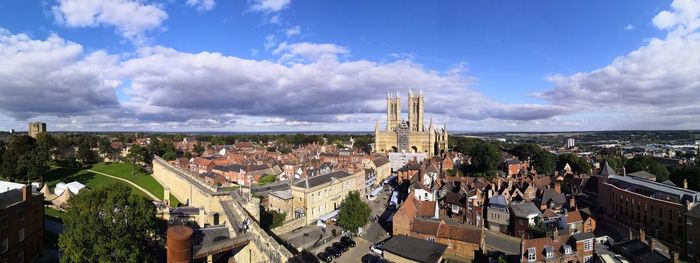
x: 544, y: 162
x: 108, y: 224
x: 16, y: 158
x: 136, y: 156
x: 354, y: 213
x: 578, y: 164
x: 170, y: 155
x: 645, y: 163
x: 198, y: 149
x: 690, y: 173
x: 485, y: 158
x: 85, y: 154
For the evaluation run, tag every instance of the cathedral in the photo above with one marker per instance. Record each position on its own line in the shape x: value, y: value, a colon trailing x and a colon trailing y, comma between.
x: 409, y: 136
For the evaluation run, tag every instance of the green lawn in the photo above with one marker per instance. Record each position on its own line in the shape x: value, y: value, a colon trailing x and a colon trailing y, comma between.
x: 89, y: 179
x: 53, y: 214
x: 120, y: 170
x: 124, y: 171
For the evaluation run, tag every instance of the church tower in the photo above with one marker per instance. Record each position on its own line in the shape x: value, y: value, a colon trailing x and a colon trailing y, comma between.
x: 393, y: 111
x: 415, y: 112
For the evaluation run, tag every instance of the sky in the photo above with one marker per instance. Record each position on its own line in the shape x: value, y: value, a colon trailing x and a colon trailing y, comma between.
x: 289, y: 65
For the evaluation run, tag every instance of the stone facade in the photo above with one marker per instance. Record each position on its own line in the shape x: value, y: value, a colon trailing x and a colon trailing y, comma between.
x: 35, y: 128
x: 411, y: 135
x: 319, y: 195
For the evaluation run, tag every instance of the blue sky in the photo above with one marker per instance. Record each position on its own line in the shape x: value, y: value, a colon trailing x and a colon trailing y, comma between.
x: 314, y: 65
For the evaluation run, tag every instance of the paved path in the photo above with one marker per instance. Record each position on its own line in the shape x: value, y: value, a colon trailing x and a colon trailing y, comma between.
x: 130, y: 182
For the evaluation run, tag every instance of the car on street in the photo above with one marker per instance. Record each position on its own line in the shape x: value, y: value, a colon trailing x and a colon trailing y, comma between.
x: 378, y: 249
x: 325, y: 257
x: 334, y: 251
x: 371, y: 258
x: 341, y: 246
x: 348, y: 241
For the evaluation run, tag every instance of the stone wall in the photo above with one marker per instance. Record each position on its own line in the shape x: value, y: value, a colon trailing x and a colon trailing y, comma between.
x: 289, y: 226
x: 186, y: 188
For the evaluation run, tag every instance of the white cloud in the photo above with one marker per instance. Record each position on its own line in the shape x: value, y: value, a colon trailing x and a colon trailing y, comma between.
x: 53, y: 76
x: 292, y: 31
x: 269, y: 6
x: 309, y: 51
x: 130, y: 18
x: 201, y: 5
x: 629, y: 27
x: 655, y: 83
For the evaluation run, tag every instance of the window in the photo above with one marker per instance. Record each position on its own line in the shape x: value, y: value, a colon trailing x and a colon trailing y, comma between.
x: 3, y: 246
x: 550, y: 254
x: 587, y: 259
x: 21, y: 234
x: 689, y: 221
x: 20, y: 256
x: 3, y: 222
x: 20, y: 215
x: 531, y: 256
x: 588, y: 245
x: 567, y: 250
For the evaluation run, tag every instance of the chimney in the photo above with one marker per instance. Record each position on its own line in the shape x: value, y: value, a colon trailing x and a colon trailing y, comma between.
x: 26, y: 192
x: 685, y: 183
x: 166, y: 196
x: 674, y: 257
x: 572, y: 203
x: 555, y: 234
x: 642, y: 234
x: 652, y: 244
x: 437, y: 210
x: 624, y: 171
x: 557, y: 187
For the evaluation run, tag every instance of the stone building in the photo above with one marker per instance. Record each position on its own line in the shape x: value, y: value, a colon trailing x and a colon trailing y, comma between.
x: 320, y: 195
x: 35, y: 128
x: 409, y: 136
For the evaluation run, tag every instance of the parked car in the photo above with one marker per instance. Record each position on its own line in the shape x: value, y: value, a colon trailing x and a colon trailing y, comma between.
x: 348, y: 241
x: 334, y: 251
x: 371, y: 258
x: 341, y: 246
x: 378, y: 248
x: 325, y: 257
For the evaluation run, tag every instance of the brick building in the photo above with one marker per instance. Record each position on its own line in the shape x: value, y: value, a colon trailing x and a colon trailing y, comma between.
x: 21, y: 223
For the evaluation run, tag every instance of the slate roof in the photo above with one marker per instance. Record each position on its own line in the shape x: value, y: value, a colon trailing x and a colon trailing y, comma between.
x: 606, y: 170
x: 321, y: 179
x: 524, y: 210
x: 643, y: 175
x: 582, y: 236
x: 551, y: 194
x: 640, y: 251
x: 658, y: 190
x: 380, y: 161
x: 415, y: 248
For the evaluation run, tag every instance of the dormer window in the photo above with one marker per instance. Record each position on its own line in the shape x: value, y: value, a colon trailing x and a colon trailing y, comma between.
x: 567, y: 250
x: 531, y: 254
x: 548, y: 252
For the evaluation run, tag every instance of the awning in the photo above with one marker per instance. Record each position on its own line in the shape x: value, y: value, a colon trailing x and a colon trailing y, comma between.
x: 329, y: 215
x: 376, y: 191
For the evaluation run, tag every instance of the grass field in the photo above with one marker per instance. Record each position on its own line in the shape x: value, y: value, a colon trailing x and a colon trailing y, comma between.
x: 92, y: 180
x: 53, y: 214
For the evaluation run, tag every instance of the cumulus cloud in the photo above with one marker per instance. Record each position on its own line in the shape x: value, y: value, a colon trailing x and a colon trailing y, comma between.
x: 201, y: 5
x: 292, y: 31
x: 310, y: 51
x: 269, y: 6
x: 130, y: 18
x: 53, y: 77
x: 326, y: 90
x: 657, y: 79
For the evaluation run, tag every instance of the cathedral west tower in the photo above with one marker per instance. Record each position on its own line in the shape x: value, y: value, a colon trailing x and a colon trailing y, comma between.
x: 410, y: 135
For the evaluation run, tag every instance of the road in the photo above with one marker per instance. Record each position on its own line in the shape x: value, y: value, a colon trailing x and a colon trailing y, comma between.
x: 129, y: 182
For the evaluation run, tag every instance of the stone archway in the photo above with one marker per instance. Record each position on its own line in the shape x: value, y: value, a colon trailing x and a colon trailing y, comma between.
x: 216, y: 218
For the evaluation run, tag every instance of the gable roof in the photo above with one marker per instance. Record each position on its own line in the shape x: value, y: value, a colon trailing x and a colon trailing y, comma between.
x: 321, y: 179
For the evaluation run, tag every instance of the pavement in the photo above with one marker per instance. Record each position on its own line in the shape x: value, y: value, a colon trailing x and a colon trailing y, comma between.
x: 53, y: 226
x: 310, y: 236
x: 354, y: 254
